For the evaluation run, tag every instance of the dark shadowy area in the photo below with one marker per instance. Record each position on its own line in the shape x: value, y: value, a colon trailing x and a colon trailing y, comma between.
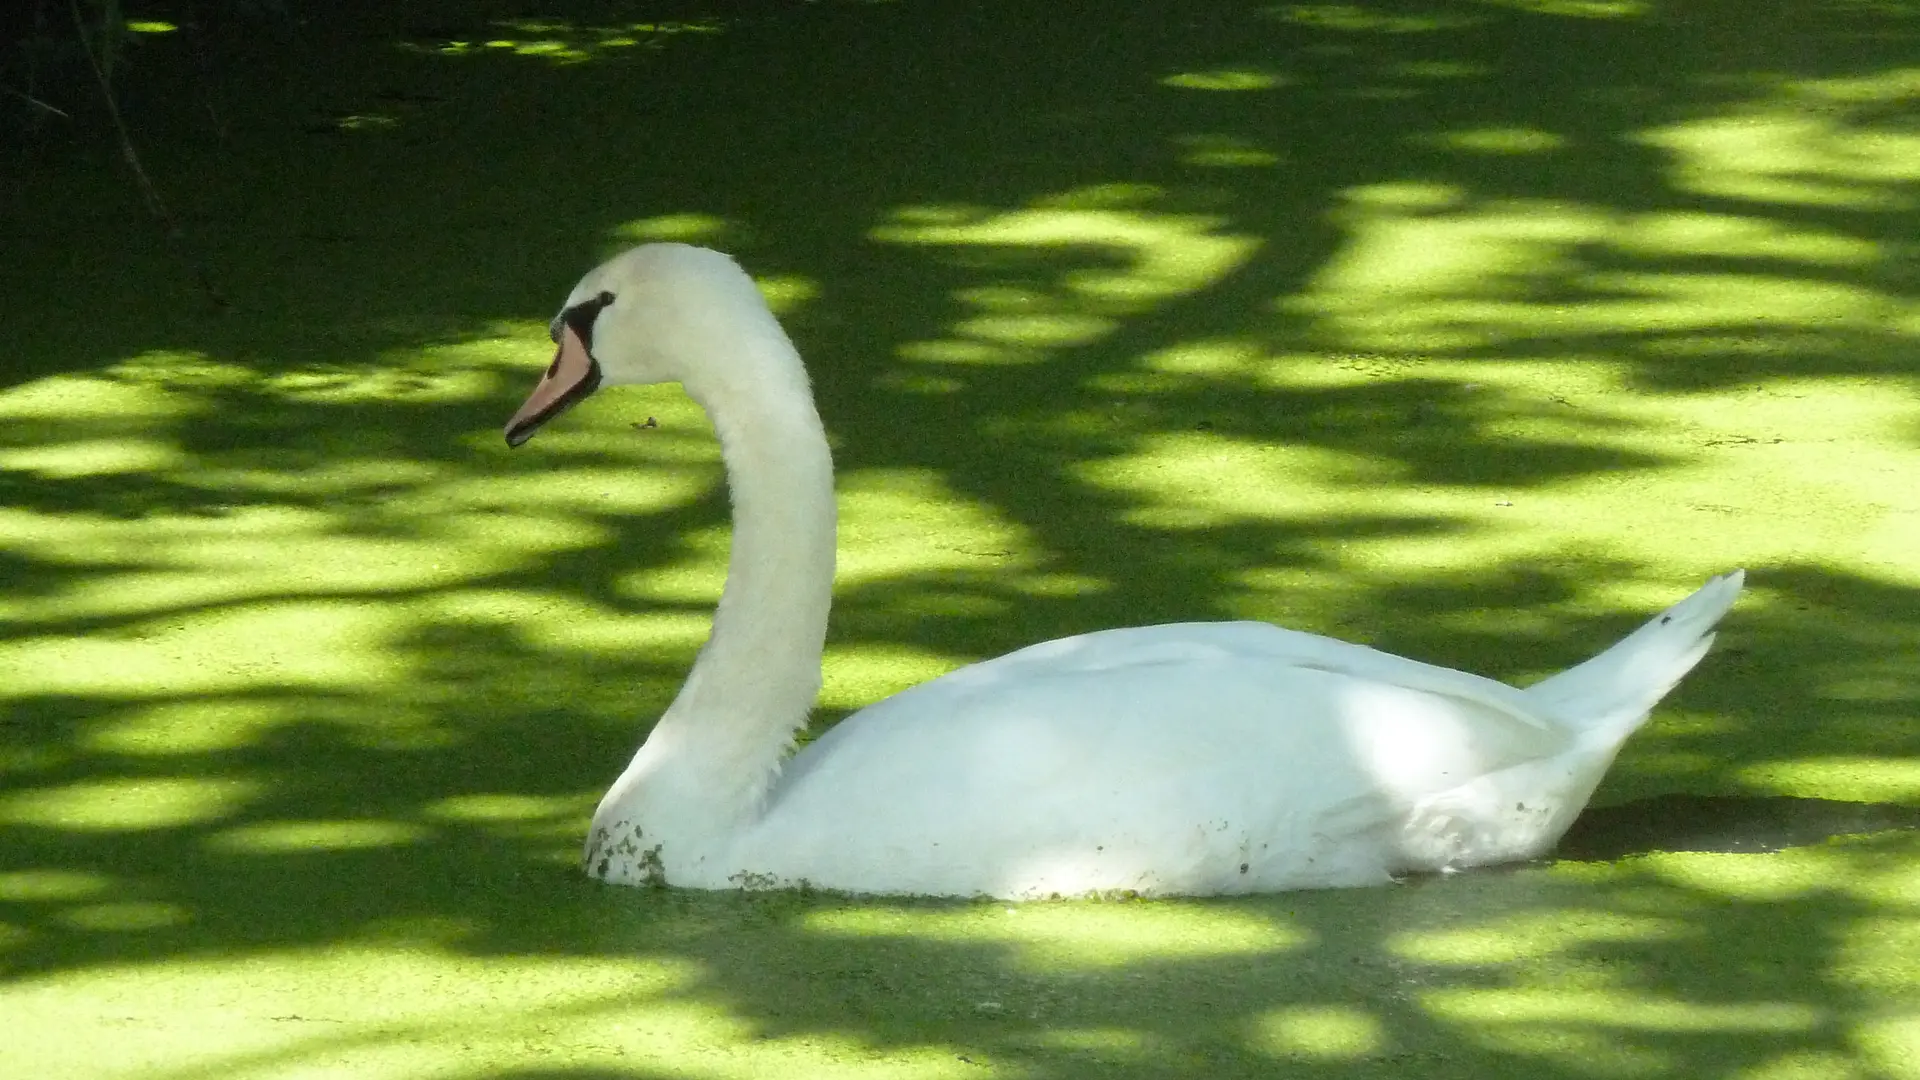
x: 370, y: 183
x: 1723, y: 823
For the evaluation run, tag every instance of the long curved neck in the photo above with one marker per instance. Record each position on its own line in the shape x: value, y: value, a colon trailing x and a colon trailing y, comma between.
x: 706, y: 767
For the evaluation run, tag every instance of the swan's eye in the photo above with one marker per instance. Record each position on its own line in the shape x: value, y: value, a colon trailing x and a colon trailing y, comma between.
x: 605, y: 298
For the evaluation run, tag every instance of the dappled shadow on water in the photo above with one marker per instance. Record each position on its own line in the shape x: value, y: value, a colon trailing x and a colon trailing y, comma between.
x: 1724, y: 823
x: 1194, y: 311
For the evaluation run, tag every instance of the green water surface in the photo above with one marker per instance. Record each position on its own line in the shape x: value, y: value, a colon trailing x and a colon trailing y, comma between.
x: 1472, y: 330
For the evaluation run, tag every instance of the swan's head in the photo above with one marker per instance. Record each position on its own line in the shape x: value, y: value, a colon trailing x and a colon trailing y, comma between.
x: 653, y: 314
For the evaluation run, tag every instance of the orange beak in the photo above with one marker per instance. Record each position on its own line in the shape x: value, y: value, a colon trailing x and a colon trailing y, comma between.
x: 573, y: 375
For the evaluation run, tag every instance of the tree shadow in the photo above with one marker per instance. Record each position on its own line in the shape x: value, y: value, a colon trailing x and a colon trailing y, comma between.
x: 299, y: 662
x: 1724, y: 823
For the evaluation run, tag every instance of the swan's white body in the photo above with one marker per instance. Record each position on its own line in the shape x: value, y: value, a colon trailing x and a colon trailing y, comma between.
x: 1189, y: 759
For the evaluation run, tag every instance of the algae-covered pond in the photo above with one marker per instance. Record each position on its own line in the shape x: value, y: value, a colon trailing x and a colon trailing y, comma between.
x: 1476, y: 331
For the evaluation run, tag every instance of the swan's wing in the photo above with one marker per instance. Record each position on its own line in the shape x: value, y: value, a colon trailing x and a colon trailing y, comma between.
x: 1181, y: 643
x: 1193, y: 699
x: 1169, y: 754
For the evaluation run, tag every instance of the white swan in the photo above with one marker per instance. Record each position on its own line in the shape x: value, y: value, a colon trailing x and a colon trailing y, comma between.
x: 1193, y: 758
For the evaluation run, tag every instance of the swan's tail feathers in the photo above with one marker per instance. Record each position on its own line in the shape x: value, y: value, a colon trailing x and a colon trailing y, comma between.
x: 1611, y: 694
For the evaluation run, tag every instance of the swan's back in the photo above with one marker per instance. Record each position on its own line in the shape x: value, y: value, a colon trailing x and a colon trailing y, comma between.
x: 1203, y: 758
x: 1191, y: 758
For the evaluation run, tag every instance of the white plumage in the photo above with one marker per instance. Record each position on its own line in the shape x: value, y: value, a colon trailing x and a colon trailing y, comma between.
x: 1192, y: 758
